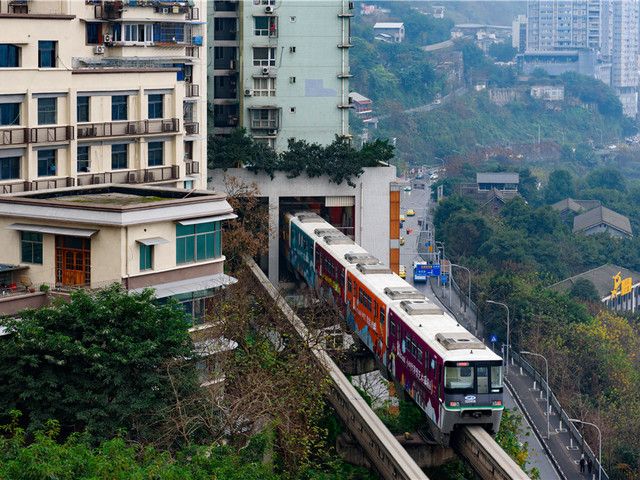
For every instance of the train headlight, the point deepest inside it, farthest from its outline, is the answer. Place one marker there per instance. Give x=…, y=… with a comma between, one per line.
x=454, y=404
x=497, y=403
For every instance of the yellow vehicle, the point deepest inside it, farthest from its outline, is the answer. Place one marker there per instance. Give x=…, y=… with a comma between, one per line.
x=411, y=212
x=402, y=219
x=402, y=272
x=401, y=240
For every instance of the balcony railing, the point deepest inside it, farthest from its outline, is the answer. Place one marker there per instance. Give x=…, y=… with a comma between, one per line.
x=192, y=168
x=192, y=90
x=121, y=129
x=193, y=52
x=19, y=136
x=192, y=128
x=193, y=13
x=146, y=175
x=42, y=184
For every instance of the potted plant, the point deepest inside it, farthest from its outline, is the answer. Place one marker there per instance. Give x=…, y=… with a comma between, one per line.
x=44, y=288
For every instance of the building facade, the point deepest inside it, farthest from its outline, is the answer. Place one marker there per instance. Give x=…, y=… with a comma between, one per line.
x=624, y=54
x=280, y=69
x=102, y=91
x=563, y=24
x=94, y=236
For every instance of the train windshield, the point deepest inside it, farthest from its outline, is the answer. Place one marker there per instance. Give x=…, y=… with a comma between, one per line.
x=471, y=377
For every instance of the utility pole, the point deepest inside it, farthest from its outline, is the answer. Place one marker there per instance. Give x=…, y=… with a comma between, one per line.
x=508, y=331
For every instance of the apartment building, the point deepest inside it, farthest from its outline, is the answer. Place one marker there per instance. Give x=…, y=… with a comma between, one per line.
x=280, y=69
x=102, y=91
x=624, y=54
x=563, y=24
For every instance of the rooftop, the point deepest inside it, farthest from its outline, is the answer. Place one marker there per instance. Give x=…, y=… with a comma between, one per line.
x=601, y=277
x=115, y=204
x=497, y=177
x=389, y=25
x=576, y=206
x=359, y=98
x=601, y=215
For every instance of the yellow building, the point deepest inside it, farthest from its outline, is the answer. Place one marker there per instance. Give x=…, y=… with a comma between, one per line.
x=95, y=92
x=139, y=236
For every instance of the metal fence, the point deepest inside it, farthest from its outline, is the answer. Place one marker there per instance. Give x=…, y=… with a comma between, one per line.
x=557, y=407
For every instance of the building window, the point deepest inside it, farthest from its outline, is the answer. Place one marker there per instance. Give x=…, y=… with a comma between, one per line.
x=264, y=118
x=195, y=243
x=264, y=57
x=47, y=111
x=31, y=247
x=47, y=54
x=264, y=87
x=9, y=55
x=156, y=109
x=188, y=184
x=119, y=107
x=266, y=26
x=9, y=168
x=47, y=165
x=83, y=109
x=188, y=151
x=156, y=154
x=146, y=257
x=82, y=158
x=9, y=114
x=138, y=33
x=119, y=157
x=94, y=33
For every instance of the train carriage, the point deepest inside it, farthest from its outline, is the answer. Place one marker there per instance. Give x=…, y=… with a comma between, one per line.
x=448, y=372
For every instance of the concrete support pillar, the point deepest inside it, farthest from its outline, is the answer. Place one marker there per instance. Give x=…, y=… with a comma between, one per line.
x=274, y=240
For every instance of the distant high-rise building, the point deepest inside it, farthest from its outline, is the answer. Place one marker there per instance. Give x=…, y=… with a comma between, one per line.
x=624, y=54
x=519, y=33
x=102, y=91
x=280, y=69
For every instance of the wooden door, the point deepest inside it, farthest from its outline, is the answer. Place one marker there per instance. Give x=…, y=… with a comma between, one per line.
x=73, y=258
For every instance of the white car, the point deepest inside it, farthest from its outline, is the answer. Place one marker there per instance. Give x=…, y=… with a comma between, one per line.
x=434, y=176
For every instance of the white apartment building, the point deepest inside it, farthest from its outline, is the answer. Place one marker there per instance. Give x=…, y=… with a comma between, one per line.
x=102, y=91
x=624, y=54
x=280, y=69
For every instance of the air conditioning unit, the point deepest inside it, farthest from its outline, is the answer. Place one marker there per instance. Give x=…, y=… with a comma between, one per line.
x=98, y=49
x=273, y=132
x=131, y=129
x=95, y=180
x=248, y=93
x=265, y=70
x=132, y=177
x=351, y=5
x=167, y=127
x=292, y=49
x=165, y=10
x=84, y=132
x=232, y=65
x=107, y=38
x=268, y=9
x=149, y=177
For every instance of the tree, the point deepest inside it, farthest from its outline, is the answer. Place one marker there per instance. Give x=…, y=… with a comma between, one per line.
x=559, y=187
x=608, y=178
x=584, y=289
x=528, y=187
x=502, y=52
x=96, y=363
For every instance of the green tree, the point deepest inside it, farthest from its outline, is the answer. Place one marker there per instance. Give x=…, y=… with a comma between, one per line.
x=96, y=363
x=528, y=187
x=559, y=186
x=502, y=52
x=584, y=289
x=608, y=178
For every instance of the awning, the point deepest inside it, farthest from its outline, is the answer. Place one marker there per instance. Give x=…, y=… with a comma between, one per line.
x=217, y=218
x=189, y=285
x=211, y=346
x=4, y=267
x=72, y=232
x=340, y=201
x=152, y=241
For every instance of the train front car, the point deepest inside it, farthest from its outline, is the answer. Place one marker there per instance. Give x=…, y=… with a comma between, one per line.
x=472, y=383
x=448, y=372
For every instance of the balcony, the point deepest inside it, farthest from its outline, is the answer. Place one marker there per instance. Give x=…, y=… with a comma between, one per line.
x=193, y=52
x=121, y=129
x=191, y=90
x=193, y=168
x=145, y=175
x=109, y=10
x=21, y=136
x=192, y=128
x=42, y=184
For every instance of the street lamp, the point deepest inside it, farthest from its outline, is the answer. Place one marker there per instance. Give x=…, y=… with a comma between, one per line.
x=508, y=330
x=469, y=277
x=546, y=364
x=575, y=420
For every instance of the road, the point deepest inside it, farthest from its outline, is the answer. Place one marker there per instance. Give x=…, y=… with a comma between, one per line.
x=430, y=106
x=420, y=202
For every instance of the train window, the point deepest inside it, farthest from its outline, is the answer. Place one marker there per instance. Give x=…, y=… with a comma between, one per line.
x=418, y=352
x=365, y=300
x=496, y=376
x=382, y=316
x=458, y=378
x=392, y=326
x=349, y=285
x=482, y=375
x=432, y=365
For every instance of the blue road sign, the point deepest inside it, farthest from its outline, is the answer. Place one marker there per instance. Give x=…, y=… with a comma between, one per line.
x=493, y=338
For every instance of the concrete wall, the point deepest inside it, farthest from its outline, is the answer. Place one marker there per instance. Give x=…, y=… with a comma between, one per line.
x=372, y=204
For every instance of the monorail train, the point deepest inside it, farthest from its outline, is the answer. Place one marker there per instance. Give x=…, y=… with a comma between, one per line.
x=447, y=371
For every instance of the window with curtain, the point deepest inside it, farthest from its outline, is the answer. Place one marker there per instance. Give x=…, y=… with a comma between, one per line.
x=9, y=114
x=47, y=54
x=119, y=157
x=9, y=168
x=47, y=165
x=82, y=158
x=156, y=154
x=47, y=111
x=83, y=109
x=146, y=257
x=156, y=109
x=9, y=55
x=31, y=247
x=119, y=109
